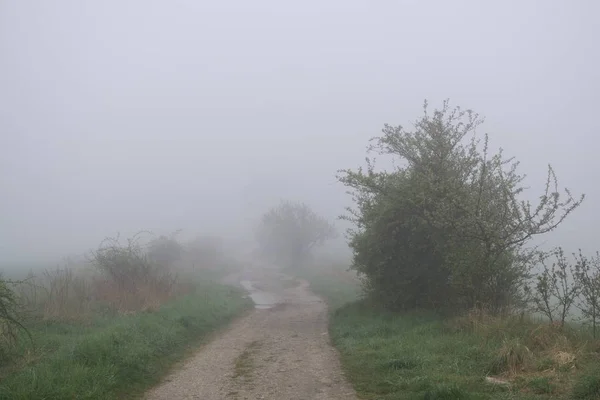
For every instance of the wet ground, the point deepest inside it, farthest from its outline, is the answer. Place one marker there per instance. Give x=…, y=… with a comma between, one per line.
x=262, y=300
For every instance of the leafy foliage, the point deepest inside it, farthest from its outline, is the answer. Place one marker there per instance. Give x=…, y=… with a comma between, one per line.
x=446, y=227
x=288, y=232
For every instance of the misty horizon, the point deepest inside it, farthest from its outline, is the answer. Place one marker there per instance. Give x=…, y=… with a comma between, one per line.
x=121, y=117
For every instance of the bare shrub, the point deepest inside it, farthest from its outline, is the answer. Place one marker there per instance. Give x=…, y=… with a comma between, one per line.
x=124, y=279
x=556, y=288
x=133, y=281
x=27, y=293
x=587, y=276
x=69, y=295
x=9, y=315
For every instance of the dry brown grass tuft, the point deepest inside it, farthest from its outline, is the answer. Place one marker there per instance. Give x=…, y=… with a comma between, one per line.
x=66, y=294
x=58, y=294
x=480, y=322
x=563, y=358
x=547, y=337
x=513, y=357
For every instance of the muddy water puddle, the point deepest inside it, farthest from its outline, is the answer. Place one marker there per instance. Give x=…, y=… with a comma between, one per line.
x=262, y=299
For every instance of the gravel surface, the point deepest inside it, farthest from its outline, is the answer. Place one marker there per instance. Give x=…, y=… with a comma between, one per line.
x=278, y=353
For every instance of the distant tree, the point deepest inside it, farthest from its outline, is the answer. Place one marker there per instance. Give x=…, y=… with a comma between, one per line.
x=165, y=250
x=205, y=251
x=289, y=231
x=447, y=226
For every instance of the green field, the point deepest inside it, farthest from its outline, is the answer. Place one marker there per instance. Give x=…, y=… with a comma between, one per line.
x=111, y=357
x=424, y=356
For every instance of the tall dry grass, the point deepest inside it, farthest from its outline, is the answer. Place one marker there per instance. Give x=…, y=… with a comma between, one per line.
x=118, y=277
x=67, y=293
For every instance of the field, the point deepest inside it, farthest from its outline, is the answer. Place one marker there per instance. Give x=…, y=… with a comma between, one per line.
x=108, y=354
x=477, y=356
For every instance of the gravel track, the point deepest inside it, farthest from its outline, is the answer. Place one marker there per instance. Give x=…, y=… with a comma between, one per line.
x=278, y=353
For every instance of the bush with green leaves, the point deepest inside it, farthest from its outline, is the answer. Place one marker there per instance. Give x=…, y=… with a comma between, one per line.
x=448, y=226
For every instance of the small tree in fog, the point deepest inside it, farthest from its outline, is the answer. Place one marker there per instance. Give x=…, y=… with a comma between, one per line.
x=165, y=250
x=289, y=231
x=556, y=290
x=205, y=251
x=587, y=276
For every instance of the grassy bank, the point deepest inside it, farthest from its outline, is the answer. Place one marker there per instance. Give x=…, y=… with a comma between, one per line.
x=333, y=284
x=114, y=356
x=422, y=356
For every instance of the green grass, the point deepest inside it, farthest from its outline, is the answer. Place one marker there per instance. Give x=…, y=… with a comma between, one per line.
x=115, y=356
x=422, y=356
x=336, y=292
x=587, y=387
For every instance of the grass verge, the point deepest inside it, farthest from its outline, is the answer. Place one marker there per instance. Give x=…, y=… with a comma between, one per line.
x=423, y=356
x=115, y=357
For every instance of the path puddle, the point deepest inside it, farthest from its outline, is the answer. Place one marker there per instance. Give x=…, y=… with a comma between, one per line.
x=262, y=300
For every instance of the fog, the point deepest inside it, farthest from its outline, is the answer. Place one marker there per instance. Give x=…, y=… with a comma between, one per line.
x=117, y=116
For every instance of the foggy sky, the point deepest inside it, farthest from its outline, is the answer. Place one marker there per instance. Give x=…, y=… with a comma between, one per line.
x=161, y=115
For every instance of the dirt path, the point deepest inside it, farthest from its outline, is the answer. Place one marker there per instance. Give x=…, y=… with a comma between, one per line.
x=277, y=353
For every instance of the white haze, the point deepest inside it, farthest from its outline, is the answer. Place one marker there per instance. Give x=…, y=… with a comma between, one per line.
x=197, y=115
